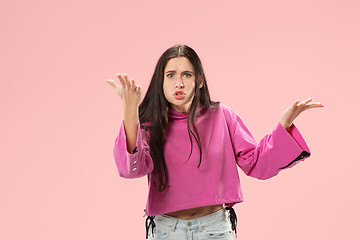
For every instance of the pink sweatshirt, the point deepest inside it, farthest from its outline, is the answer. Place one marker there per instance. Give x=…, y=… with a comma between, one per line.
x=226, y=144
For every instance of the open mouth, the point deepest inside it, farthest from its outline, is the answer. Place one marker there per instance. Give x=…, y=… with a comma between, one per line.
x=179, y=95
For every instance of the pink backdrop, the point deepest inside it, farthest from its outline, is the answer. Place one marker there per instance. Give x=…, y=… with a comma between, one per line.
x=59, y=118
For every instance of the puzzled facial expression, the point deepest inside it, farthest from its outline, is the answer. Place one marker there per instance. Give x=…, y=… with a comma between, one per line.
x=179, y=83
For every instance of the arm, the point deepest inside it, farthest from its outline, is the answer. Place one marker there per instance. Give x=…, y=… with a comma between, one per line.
x=131, y=123
x=137, y=162
x=131, y=151
x=276, y=151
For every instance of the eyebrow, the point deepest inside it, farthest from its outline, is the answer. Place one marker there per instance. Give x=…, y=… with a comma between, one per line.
x=171, y=71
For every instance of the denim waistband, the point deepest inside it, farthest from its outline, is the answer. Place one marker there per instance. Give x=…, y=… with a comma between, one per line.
x=200, y=222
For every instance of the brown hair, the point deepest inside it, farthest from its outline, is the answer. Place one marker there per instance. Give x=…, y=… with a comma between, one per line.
x=154, y=110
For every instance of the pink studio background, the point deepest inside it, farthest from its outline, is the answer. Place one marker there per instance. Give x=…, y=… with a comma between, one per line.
x=59, y=118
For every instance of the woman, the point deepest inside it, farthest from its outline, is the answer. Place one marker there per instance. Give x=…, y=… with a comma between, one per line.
x=190, y=188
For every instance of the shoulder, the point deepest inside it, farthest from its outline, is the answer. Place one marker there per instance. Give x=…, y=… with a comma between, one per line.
x=227, y=111
x=218, y=107
x=222, y=111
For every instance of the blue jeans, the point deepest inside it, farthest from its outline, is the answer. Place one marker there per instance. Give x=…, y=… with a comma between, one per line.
x=216, y=225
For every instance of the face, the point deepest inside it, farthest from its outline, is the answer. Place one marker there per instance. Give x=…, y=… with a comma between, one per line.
x=179, y=83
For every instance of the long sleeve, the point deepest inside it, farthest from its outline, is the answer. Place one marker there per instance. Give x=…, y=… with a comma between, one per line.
x=276, y=151
x=136, y=164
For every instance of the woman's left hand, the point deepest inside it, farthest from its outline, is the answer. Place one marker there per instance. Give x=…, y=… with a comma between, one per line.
x=294, y=110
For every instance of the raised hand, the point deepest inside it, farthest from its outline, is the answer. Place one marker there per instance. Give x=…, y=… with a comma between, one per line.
x=128, y=90
x=295, y=109
x=130, y=94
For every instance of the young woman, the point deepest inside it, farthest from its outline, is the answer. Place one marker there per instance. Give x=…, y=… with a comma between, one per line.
x=192, y=188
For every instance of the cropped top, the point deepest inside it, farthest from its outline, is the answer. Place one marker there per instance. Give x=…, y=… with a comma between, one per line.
x=226, y=144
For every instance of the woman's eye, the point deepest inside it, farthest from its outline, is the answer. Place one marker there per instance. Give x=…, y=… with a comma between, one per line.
x=170, y=75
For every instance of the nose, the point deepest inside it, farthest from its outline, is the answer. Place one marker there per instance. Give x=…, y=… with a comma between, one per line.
x=179, y=82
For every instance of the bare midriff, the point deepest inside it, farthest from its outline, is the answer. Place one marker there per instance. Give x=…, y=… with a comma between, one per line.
x=195, y=212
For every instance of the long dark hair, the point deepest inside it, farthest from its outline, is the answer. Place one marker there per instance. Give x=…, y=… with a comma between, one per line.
x=154, y=110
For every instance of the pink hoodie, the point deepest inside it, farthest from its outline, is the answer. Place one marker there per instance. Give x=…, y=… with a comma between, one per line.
x=226, y=143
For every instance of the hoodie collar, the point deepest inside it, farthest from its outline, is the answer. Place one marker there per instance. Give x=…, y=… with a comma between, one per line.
x=173, y=114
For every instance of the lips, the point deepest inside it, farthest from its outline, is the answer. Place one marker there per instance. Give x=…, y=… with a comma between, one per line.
x=179, y=95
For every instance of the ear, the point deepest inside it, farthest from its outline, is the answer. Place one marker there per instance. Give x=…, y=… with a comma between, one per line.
x=201, y=82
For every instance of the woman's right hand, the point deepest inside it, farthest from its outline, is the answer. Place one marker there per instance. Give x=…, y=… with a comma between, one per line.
x=129, y=91
x=130, y=94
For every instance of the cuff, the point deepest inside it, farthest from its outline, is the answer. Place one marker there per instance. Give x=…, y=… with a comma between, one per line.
x=293, y=145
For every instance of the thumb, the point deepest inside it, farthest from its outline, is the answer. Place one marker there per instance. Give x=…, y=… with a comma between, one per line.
x=112, y=83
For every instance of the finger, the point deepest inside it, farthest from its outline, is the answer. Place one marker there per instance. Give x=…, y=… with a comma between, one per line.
x=302, y=106
x=122, y=80
x=302, y=109
x=127, y=81
x=296, y=108
x=133, y=85
x=112, y=83
x=138, y=88
x=314, y=105
x=303, y=103
x=296, y=102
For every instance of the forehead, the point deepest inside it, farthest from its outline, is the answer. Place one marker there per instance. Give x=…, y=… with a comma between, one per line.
x=179, y=64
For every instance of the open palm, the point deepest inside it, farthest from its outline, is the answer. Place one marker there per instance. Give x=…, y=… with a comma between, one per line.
x=295, y=109
x=128, y=90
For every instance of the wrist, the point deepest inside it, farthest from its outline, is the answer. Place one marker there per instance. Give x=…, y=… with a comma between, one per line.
x=131, y=115
x=286, y=126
